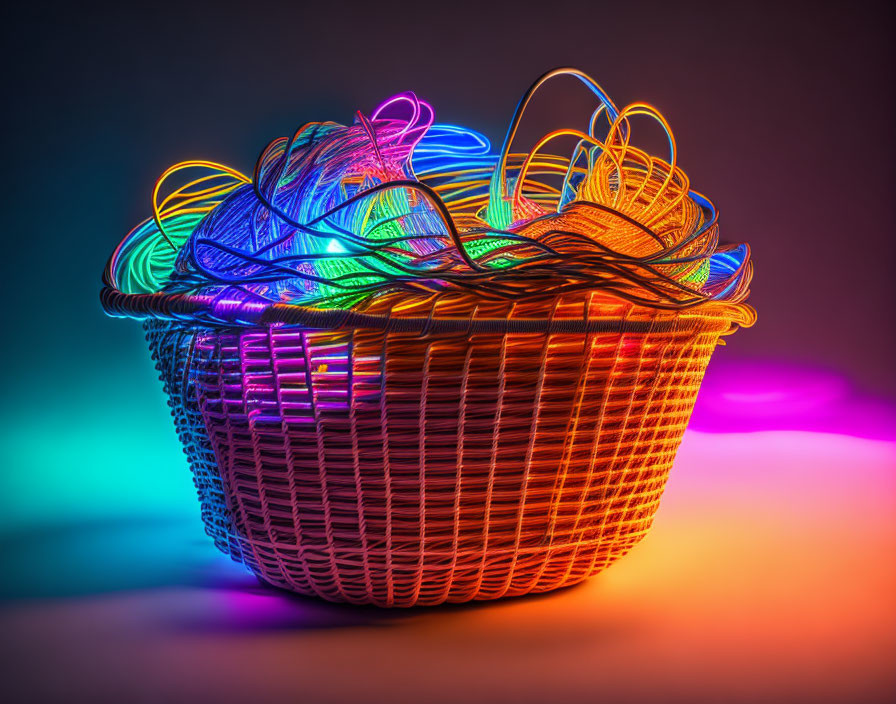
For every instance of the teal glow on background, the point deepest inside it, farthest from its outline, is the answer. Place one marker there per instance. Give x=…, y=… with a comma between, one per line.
x=95, y=448
x=99, y=497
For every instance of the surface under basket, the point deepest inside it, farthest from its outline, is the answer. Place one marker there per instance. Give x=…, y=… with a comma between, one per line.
x=415, y=468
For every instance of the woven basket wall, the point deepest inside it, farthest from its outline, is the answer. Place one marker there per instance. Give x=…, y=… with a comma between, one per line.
x=403, y=468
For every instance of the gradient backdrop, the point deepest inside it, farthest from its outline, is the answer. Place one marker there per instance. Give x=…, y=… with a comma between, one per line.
x=770, y=570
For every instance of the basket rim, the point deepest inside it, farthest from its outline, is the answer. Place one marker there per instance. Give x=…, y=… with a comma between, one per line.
x=210, y=312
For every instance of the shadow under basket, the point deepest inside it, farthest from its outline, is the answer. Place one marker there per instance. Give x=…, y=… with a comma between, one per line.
x=436, y=452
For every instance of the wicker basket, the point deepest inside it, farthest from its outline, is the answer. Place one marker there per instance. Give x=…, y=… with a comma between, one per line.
x=429, y=452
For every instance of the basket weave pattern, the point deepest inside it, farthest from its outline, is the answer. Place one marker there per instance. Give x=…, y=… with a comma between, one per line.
x=171, y=346
x=402, y=468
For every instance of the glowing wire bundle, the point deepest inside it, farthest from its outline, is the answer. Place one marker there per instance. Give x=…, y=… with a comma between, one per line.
x=337, y=214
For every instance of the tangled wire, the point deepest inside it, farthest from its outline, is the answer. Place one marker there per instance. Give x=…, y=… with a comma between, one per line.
x=337, y=214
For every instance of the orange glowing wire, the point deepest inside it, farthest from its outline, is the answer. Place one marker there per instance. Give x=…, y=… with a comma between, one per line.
x=186, y=196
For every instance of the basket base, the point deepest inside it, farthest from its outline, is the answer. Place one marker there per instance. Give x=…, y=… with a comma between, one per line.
x=437, y=583
x=535, y=593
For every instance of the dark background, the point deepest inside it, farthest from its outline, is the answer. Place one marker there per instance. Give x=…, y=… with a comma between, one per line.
x=784, y=114
x=769, y=576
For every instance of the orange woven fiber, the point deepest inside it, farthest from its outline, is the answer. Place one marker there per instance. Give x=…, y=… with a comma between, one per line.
x=415, y=468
